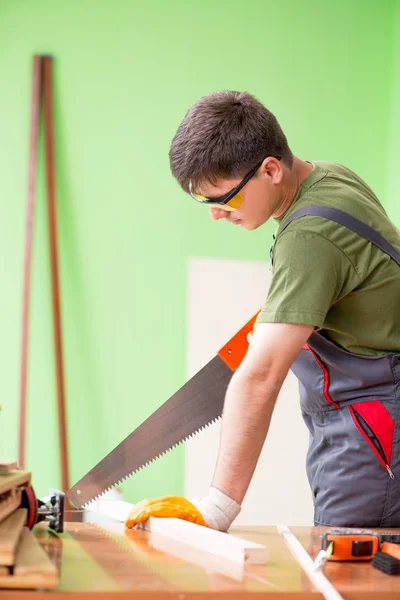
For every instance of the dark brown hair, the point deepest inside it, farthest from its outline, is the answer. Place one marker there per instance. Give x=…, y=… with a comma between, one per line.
x=223, y=136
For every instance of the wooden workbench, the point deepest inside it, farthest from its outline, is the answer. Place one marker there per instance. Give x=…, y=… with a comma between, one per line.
x=103, y=561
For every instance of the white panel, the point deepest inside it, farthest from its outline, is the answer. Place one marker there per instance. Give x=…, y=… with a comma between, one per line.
x=222, y=296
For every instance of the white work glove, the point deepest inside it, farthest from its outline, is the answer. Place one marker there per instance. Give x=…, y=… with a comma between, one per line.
x=219, y=511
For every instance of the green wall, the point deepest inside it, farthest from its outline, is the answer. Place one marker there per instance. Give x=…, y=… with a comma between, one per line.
x=393, y=154
x=125, y=74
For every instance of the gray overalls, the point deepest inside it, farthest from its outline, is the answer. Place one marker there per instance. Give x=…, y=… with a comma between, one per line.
x=351, y=406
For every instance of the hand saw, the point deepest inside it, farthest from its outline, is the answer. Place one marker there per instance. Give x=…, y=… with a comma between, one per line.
x=196, y=404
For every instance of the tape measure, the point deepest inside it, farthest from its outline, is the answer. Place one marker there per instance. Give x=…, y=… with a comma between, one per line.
x=348, y=544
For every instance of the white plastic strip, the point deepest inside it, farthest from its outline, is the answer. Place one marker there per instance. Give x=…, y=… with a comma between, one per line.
x=317, y=577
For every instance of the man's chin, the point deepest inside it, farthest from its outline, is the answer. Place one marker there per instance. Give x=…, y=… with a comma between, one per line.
x=249, y=226
x=245, y=224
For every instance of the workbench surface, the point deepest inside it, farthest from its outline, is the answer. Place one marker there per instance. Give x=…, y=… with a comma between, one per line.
x=120, y=563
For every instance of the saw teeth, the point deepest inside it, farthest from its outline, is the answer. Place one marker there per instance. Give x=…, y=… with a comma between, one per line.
x=164, y=453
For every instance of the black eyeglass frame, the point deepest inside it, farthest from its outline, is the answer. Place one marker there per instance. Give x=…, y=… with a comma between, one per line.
x=224, y=199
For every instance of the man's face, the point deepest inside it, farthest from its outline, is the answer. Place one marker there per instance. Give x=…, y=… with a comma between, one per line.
x=260, y=197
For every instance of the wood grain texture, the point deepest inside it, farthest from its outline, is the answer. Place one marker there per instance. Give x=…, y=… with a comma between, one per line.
x=13, y=480
x=9, y=504
x=33, y=568
x=30, y=212
x=119, y=563
x=54, y=271
x=31, y=558
x=8, y=465
x=10, y=533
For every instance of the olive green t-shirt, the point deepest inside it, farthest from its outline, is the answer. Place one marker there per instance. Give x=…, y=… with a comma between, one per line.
x=326, y=275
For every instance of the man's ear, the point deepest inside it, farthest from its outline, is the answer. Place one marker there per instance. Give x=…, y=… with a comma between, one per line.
x=273, y=169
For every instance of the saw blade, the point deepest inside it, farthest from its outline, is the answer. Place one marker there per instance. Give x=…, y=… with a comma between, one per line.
x=198, y=403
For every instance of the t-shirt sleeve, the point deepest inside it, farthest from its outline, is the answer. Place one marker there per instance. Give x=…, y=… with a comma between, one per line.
x=309, y=275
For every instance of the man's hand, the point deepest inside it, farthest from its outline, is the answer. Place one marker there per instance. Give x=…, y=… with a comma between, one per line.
x=215, y=510
x=167, y=507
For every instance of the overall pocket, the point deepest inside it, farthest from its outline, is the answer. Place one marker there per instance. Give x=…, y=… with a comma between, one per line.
x=376, y=425
x=313, y=376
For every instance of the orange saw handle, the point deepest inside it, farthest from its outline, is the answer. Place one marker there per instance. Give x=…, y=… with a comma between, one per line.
x=233, y=352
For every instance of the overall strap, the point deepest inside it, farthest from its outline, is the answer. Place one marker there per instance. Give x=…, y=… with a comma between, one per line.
x=343, y=218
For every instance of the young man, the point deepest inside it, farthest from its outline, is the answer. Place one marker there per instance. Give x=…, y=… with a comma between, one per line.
x=332, y=313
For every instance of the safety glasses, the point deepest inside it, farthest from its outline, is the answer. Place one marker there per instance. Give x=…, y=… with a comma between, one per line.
x=232, y=199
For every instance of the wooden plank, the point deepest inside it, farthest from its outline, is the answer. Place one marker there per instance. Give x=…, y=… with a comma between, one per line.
x=37, y=68
x=10, y=494
x=214, y=542
x=221, y=544
x=10, y=533
x=14, y=479
x=33, y=568
x=32, y=582
x=31, y=558
x=9, y=504
x=229, y=568
x=49, y=140
x=8, y=465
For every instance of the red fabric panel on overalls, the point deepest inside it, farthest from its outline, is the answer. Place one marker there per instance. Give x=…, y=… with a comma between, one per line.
x=380, y=422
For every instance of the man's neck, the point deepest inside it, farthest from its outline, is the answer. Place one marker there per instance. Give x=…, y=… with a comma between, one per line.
x=293, y=179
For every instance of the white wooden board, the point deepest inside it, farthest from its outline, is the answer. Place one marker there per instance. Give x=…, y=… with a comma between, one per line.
x=217, y=543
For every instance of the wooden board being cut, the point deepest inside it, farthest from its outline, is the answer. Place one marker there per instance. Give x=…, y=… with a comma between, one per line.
x=221, y=544
x=33, y=568
x=214, y=542
x=10, y=533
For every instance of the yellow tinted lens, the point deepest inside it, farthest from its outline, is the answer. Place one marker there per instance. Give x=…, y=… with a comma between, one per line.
x=232, y=204
x=235, y=202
